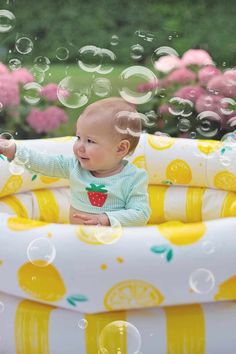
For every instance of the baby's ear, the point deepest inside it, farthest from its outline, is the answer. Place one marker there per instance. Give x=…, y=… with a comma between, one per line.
x=123, y=147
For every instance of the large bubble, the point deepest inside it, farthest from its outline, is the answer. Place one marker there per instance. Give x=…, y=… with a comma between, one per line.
x=73, y=94
x=24, y=45
x=128, y=338
x=7, y=21
x=90, y=58
x=107, y=62
x=133, y=76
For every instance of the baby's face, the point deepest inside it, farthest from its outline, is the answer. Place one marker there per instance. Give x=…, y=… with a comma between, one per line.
x=95, y=147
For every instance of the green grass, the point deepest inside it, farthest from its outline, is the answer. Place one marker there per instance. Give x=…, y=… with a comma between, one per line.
x=83, y=78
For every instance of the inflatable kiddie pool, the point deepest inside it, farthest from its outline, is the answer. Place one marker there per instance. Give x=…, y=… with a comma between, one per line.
x=167, y=287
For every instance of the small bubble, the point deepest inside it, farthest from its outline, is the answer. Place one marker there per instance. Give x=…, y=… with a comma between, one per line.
x=62, y=53
x=41, y=252
x=32, y=92
x=114, y=40
x=24, y=45
x=14, y=64
x=202, y=281
x=83, y=324
x=7, y=21
x=42, y=63
x=136, y=52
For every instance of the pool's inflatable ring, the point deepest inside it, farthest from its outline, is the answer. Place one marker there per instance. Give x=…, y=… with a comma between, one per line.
x=185, y=255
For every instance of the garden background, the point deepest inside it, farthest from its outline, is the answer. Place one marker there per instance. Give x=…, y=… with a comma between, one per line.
x=55, y=32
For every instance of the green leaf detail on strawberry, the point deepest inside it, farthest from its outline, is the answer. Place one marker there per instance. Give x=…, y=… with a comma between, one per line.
x=97, y=194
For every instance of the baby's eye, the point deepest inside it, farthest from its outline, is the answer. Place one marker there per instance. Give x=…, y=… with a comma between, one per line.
x=91, y=141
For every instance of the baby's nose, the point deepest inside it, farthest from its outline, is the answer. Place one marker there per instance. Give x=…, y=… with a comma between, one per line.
x=81, y=146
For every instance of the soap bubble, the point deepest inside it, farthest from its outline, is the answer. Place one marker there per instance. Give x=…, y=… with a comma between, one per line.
x=83, y=324
x=226, y=103
x=72, y=94
x=180, y=107
x=7, y=21
x=62, y=53
x=162, y=51
x=32, y=92
x=114, y=40
x=38, y=75
x=184, y=125
x=128, y=338
x=90, y=58
x=107, y=61
x=208, y=124
x=136, y=52
x=202, y=281
x=24, y=45
x=42, y=63
x=102, y=87
x=41, y=252
x=14, y=64
x=128, y=83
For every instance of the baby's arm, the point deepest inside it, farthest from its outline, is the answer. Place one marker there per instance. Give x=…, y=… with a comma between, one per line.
x=35, y=161
x=137, y=210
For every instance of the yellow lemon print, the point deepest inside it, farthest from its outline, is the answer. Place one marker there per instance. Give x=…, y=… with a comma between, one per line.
x=225, y=180
x=15, y=204
x=208, y=146
x=98, y=235
x=16, y=223
x=12, y=185
x=48, y=180
x=229, y=205
x=43, y=283
x=140, y=162
x=132, y=294
x=227, y=290
x=181, y=234
x=47, y=204
x=178, y=171
x=160, y=142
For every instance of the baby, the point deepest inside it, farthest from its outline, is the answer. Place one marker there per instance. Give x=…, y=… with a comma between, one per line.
x=106, y=189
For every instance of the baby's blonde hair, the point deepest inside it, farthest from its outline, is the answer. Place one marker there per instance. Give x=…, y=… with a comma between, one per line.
x=122, y=116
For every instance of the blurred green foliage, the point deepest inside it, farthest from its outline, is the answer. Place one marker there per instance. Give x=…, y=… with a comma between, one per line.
x=180, y=24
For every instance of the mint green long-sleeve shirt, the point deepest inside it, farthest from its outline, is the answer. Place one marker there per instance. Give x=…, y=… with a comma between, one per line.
x=123, y=196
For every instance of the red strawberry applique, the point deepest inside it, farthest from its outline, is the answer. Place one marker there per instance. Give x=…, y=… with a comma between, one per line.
x=97, y=194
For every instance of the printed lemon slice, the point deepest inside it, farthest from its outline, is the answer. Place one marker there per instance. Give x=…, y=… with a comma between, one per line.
x=229, y=205
x=225, y=180
x=47, y=204
x=208, y=146
x=12, y=185
x=181, y=234
x=16, y=223
x=98, y=235
x=178, y=171
x=48, y=180
x=139, y=162
x=132, y=294
x=160, y=142
x=43, y=283
x=227, y=290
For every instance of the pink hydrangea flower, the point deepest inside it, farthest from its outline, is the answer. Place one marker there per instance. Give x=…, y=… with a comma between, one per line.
x=223, y=85
x=9, y=91
x=189, y=92
x=49, y=92
x=167, y=63
x=180, y=76
x=148, y=86
x=22, y=76
x=206, y=73
x=3, y=69
x=196, y=57
x=164, y=109
x=212, y=103
x=46, y=121
x=230, y=73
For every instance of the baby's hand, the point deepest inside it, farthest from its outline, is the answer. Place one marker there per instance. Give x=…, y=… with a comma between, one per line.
x=7, y=148
x=96, y=219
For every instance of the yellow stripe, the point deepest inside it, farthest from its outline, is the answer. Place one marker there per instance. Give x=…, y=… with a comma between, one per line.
x=229, y=205
x=185, y=329
x=113, y=340
x=48, y=206
x=16, y=206
x=157, y=203
x=194, y=200
x=31, y=328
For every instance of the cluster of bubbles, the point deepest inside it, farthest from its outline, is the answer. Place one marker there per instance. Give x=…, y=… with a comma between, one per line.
x=95, y=59
x=121, y=330
x=41, y=249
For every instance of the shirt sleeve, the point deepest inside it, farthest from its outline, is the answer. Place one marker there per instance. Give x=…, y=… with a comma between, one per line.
x=46, y=164
x=137, y=210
